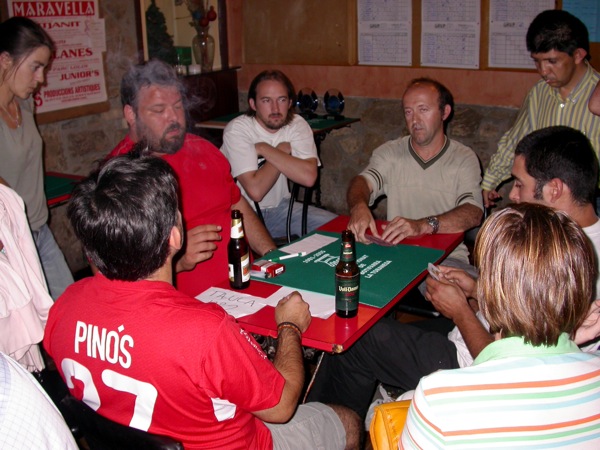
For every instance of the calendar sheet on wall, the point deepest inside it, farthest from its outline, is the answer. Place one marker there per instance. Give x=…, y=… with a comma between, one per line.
x=508, y=23
x=385, y=32
x=450, y=32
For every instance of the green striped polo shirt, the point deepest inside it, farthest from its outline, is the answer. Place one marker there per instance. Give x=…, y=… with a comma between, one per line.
x=514, y=395
x=544, y=107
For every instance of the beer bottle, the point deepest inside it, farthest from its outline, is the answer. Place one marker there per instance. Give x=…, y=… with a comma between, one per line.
x=347, y=279
x=238, y=254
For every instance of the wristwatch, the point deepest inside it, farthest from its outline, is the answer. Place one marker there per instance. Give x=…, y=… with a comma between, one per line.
x=434, y=223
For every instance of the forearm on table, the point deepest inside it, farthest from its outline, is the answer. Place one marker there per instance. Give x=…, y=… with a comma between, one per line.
x=258, y=237
x=460, y=219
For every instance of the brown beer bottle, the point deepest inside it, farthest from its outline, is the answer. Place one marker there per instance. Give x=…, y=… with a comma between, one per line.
x=238, y=254
x=347, y=279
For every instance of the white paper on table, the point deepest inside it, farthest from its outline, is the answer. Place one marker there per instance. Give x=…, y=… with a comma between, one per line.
x=321, y=305
x=309, y=244
x=234, y=303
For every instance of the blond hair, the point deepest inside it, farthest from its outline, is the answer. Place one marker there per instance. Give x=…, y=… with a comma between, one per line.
x=537, y=271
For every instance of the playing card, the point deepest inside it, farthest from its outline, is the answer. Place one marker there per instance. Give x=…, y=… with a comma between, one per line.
x=378, y=241
x=434, y=271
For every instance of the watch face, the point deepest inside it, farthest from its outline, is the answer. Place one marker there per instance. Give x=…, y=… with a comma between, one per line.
x=434, y=223
x=307, y=101
x=333, y=100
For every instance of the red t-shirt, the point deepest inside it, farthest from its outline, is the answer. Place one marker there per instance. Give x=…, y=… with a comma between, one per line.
x=145, y=355
x=207, y=192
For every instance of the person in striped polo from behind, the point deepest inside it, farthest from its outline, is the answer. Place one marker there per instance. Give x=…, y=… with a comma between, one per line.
x=532, y=387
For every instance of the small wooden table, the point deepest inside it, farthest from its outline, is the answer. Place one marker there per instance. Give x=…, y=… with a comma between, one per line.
x=319, y=125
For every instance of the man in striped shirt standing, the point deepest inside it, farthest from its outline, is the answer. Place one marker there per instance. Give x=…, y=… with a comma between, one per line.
x=532, y=387
x=559, y=46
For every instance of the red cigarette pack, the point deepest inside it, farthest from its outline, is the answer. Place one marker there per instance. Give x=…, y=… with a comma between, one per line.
x=267, y=269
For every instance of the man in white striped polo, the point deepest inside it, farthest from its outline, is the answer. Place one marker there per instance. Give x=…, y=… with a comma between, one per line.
x=532, y=387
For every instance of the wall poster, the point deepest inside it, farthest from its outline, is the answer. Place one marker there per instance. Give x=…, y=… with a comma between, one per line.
x=76, y=75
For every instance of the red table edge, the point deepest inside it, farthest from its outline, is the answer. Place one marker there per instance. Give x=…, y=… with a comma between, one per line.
x=263, y=321
x=64, y=197
x=65, y=175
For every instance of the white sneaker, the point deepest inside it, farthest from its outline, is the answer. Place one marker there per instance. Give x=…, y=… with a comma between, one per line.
x=381, y=396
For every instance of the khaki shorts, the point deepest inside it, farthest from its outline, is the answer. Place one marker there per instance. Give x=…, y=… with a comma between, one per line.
x=314, y=426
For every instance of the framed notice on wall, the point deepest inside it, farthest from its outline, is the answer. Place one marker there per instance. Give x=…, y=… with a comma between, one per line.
x=76, y=75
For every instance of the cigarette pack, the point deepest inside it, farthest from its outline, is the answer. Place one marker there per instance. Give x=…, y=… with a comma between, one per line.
x=267, y=269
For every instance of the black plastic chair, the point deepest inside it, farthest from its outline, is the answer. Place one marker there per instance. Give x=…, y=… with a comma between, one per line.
x=294, y=192
x=98, y=432
x=101, y=433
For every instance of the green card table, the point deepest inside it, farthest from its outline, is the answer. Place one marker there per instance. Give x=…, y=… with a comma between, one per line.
x=335, y=334
x=58, y=187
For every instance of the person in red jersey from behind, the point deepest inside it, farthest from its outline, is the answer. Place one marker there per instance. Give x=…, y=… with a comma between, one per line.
x=145, y=355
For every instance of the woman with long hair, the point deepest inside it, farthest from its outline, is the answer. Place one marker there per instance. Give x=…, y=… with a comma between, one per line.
x=25, y=52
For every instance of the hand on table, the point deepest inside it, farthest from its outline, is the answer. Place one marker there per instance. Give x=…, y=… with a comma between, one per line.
x=362, y=220
x=399, y=228
x=293, y=308
x=199, y=246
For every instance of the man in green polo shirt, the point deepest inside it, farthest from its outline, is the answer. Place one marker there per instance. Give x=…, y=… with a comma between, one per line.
x=559, y=46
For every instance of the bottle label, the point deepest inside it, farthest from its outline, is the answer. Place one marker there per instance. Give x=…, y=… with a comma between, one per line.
x=347, y=292
x=244, y=268
x=237, y=230
x=347, y=252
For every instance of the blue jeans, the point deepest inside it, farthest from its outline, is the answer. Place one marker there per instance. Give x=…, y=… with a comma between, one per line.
x=276, y=218
x=58, y=275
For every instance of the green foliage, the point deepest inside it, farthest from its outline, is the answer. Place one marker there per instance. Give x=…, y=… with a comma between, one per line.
x=160, y=43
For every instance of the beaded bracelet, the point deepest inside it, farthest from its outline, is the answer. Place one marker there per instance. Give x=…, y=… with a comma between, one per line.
x=291, y=326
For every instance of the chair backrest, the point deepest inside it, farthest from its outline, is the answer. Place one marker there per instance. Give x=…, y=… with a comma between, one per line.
x=101, y=433
x=289, y=237
x=387, y=424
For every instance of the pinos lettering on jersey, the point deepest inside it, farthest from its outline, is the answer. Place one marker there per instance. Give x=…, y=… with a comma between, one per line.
x=108, y=345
